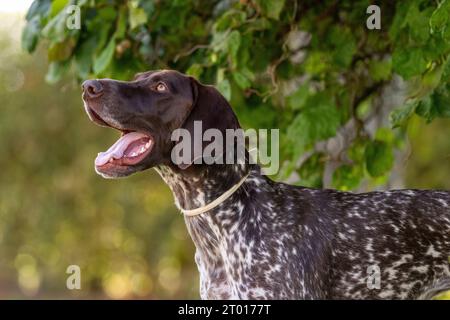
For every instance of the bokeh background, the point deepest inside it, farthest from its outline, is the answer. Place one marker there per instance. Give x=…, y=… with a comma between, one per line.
x=126, y=235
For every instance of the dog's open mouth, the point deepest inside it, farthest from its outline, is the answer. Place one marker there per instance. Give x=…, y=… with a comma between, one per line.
x=131, y=148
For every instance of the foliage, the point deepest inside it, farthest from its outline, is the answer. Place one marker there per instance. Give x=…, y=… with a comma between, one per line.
x=306, y=67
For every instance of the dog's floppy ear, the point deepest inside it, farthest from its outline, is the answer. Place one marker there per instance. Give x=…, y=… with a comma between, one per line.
x=210, y=110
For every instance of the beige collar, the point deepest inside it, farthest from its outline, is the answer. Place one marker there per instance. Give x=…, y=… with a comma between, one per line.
x=215, y=203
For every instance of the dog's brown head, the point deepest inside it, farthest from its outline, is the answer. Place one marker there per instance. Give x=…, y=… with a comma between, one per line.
x=146, y=111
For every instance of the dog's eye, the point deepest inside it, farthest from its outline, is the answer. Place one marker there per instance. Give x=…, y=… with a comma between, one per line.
x=161, y=87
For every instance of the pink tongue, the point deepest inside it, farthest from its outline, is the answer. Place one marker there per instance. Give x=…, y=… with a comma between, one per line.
x=117, y=149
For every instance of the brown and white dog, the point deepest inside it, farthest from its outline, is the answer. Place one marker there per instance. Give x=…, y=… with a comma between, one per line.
x=271, y=240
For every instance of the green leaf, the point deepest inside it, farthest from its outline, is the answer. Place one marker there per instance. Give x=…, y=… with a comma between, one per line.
x=417, y=20
x=137, y=15
x=220, y=75
x=311, y=171
x=62, y=50
x=347, y=177
x=343, y=46
x=30, y=34
x=107, y=14
x=435, y=105
x=248, y=73
x=441, y=100
x=316, y=63
x=195, y=70
x=399, y=22
x=426, y=109
x=104, y=59
x=408, y=62
x=445, y=77
x=55, y=71
x=84, y=55
x=40, y=8
x=298, y=99
x=233, y=43
x=102, y=38
x=55, y=29
x=57, y=7
x=400, y=116
x=241, y=80
x=379, y=158
x=259, y=24
x=380, y=70
x=225, y=88
x=230, y=20
x=219, y=40
x=385, y=134
x=436, y=49
x=432, y=78
x=318, y=120
x=121, y=23
x=260, y=116
x=440, y=17
x=271, y=8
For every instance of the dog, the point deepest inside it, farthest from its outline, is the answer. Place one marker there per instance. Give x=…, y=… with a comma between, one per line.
x=260, y=239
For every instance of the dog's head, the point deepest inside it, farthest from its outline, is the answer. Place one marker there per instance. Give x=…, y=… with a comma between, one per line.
x=146, y=111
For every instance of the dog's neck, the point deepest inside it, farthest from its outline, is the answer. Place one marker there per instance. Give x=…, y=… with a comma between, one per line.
x=199, y=185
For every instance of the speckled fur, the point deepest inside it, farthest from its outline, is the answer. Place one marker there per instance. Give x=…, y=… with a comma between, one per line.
x=276, y=241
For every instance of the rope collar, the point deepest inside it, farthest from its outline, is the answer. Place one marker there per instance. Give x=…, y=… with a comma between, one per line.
x=216, y=202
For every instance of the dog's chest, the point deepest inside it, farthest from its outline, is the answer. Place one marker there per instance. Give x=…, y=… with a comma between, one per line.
x=221, y=279
x=228, y=262
x=236, y=266
x=214, y=282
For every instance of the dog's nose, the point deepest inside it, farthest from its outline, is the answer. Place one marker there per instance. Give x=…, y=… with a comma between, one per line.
x=92, y=88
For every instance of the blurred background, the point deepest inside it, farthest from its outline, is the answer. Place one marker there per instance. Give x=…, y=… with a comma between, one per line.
x=126, y=235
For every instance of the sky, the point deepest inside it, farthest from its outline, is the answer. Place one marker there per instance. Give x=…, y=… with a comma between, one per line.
x=14, y=5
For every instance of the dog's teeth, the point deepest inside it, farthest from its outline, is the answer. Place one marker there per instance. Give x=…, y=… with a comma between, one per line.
x=142, y=149
x=147, y=145
x=134, y=154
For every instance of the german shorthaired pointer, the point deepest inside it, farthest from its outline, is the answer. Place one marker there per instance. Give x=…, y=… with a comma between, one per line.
x=271, y=240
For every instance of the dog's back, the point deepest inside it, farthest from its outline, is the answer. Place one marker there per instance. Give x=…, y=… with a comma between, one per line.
x=393, y=244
